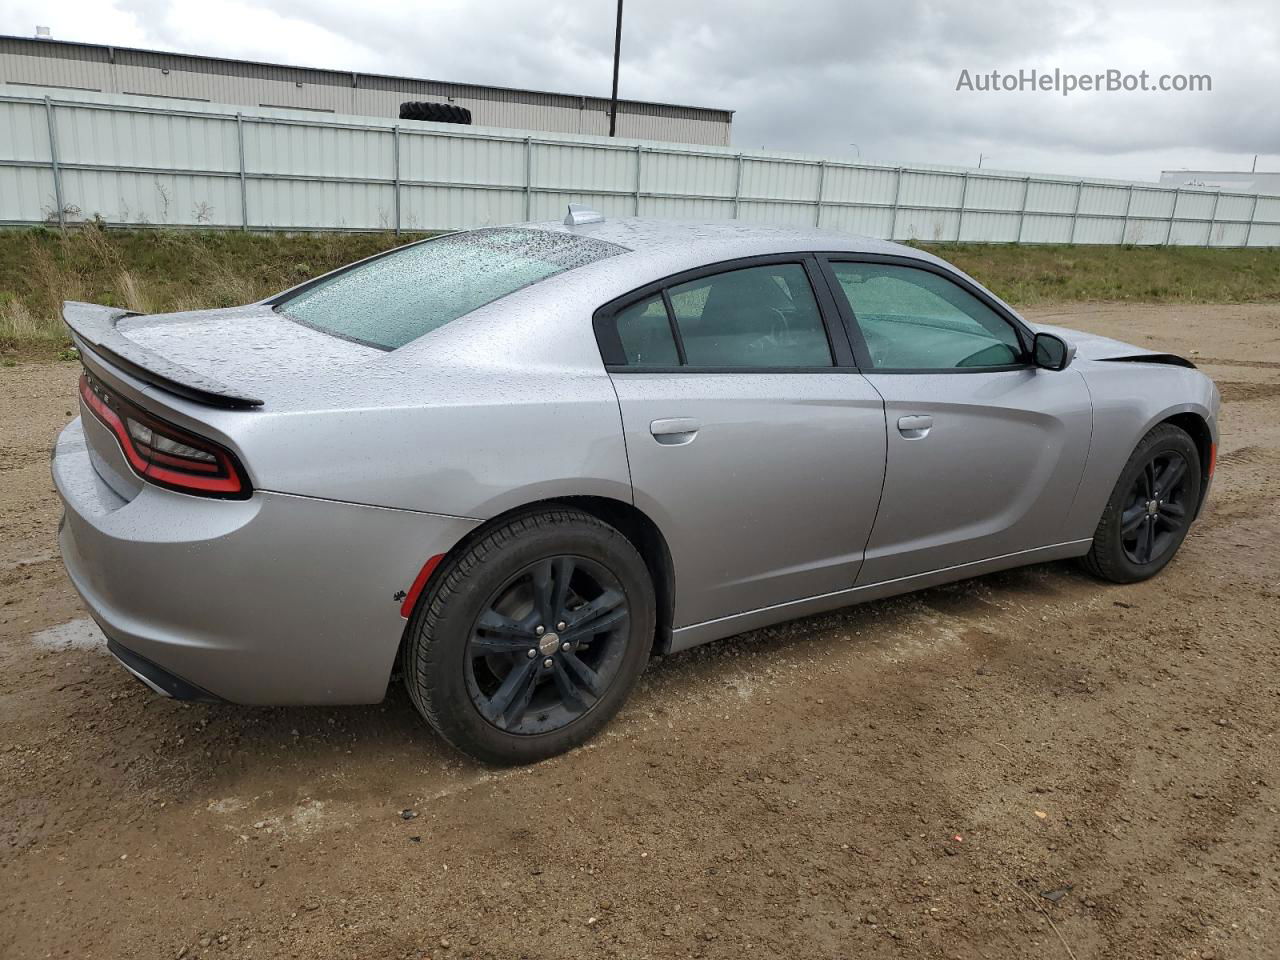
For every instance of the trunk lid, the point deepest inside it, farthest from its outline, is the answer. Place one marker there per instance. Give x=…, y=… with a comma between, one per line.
x=237, y=357
x=210, y=368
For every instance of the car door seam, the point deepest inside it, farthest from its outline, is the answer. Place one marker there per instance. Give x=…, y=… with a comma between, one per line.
x=884, y=477
x=622, y=427
x=1088, y=455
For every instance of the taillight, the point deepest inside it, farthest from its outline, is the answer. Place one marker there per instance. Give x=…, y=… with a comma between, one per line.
x=162, y=453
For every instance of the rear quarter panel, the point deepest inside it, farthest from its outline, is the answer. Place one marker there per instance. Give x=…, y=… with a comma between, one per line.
x=473, y=451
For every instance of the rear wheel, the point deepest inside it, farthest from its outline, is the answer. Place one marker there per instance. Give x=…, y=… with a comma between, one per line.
x=1150, y=509
x=531, y=639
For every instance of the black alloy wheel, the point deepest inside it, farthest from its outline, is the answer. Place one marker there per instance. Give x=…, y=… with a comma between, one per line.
x=547, y=645
x=1157, y=513
x=1151, y=508
x=531, y=635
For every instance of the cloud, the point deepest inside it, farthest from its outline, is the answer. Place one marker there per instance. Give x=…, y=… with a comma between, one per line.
x=817, y=77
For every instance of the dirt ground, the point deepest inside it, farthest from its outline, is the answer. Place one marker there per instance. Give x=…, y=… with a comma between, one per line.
x=908, y=778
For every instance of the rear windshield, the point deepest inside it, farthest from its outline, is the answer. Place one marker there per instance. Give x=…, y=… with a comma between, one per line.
x=404, y=294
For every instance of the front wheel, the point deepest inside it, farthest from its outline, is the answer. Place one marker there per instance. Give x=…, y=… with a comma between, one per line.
x=1150, y=509
x=532, y=638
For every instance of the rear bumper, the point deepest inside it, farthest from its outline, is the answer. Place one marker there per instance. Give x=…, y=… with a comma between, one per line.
x=276, y=599
x=157, y=677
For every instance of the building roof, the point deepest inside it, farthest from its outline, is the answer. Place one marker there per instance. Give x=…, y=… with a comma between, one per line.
x=109, y=52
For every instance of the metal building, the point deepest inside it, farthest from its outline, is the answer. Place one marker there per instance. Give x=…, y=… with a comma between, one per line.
x=30, y=62
x=1240, y=181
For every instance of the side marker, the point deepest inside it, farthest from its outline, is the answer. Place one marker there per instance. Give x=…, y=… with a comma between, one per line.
x=419, y=582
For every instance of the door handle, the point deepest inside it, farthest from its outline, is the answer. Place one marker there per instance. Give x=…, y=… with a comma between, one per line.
x=916, y=427
x=674, y=431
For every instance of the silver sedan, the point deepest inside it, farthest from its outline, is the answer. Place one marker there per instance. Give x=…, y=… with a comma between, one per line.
x=513, y=463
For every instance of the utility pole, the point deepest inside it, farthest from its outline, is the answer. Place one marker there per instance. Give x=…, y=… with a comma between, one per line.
x=617, y=51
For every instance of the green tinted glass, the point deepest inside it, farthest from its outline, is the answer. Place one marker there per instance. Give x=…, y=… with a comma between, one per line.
x=917, y=320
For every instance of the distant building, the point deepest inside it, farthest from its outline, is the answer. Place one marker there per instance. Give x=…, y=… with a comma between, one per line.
x=1232, y=181
x=41, y=62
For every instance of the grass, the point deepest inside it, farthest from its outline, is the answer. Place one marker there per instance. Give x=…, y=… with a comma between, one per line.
x=154, y=271
x=1029, y=275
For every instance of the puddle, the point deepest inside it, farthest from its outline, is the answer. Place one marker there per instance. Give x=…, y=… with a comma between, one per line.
x=82, y=634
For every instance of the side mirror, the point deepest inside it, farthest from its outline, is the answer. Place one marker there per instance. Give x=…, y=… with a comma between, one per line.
x=1051, y=352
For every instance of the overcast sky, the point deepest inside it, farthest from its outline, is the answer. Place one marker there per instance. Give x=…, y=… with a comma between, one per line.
x=815, y=77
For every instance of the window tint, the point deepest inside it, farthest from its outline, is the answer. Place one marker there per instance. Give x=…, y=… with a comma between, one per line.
x=916, y=320
x=645, y=334
x=756, y=317
x=399, y=297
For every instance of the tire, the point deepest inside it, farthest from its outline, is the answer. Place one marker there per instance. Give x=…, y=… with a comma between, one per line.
x=434, y=112
x=1134, y=539
x=485, y=684
x=416, y=110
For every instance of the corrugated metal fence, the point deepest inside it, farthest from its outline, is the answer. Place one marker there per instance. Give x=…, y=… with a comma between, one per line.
x=126, y=160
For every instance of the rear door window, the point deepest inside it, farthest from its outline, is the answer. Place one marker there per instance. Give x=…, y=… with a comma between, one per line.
x=750, y=318
x=393, y=299
x=756, y=317
x=644, y=330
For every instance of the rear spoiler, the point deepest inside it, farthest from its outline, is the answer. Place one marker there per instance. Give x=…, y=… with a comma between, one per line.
x=93, y=330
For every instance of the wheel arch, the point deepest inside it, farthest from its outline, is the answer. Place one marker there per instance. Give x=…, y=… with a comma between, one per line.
x=634, y=524
x=1197, y=427
x=626, y=518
